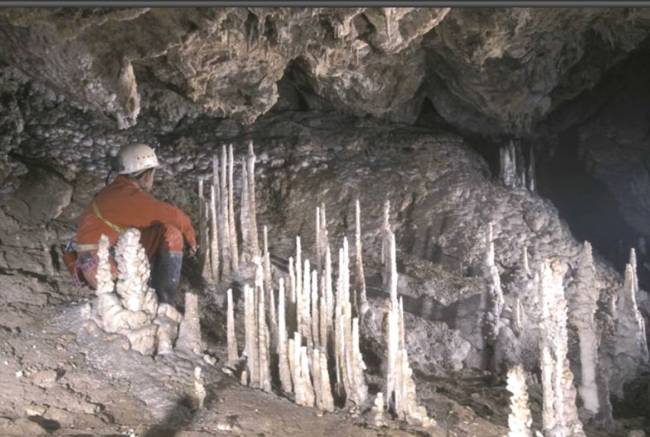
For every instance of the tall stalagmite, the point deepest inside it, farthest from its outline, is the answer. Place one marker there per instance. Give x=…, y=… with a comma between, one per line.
x=233, y=353
x=361, y=301
x=560, y=414
x=252, y=208
x=583, y=304
x=232, y=229
x=627, y=342
x=519, y=420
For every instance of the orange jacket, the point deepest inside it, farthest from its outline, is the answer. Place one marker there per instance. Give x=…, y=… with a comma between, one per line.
x=125, y=204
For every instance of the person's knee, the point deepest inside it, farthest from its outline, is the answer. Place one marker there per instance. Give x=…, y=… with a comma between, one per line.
x=172, y=238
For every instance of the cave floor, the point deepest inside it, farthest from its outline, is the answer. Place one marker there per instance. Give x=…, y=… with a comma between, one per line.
x=61, y=376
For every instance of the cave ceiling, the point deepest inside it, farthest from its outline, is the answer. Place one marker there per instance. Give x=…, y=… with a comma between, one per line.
x=487, y=71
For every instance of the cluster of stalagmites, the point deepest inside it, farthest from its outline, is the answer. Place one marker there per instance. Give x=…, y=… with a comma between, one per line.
x=615, y=355
x=307, y=322
x=130, y=307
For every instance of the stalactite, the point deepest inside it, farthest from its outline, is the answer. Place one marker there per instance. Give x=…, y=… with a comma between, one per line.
x=252, y=209
x=531, y=178
x=283, y=359
x=361, y=300
x=223, y=215
x=233, y=353
x=560, y=415
x=214, y=240
x=189, y=333
x=582, y=309
x=519, y=419
x=508, y=165
x=232, y=229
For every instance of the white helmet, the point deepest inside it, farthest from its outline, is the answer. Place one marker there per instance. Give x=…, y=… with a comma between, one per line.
x=135, y=158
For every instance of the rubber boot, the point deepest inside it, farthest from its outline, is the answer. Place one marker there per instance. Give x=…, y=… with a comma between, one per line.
x=166, y=276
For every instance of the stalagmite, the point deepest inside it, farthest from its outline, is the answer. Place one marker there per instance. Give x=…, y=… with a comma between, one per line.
x=378, y=415
x=214, y=239
x=133, y=274
x=251, y=336
x=329, y=295
x=359, y=389
x=244, y=216
x=305, y=300
x=630, y=344
x=233, y=353
x=494, y=301
x=519, y=419
x=223, y=212
x=400, y=386
x=105, y=283
x=168, y=320
x=232, y=229
x=113, y=315
x=323, y=323
x=559, y=414
x=315, y=313
x=318, y=240
x=263, y=333
x=309, y=396
x=199, y=388
x=189, y=333
x=327, y=401
x=316, y=377
x=525, y=261
x=252, y=209
x=283, y=359
x=268, y=287
x=203, y=254
x=386, y=230
x=361, y=301
x=298, y=283
x=582, y=308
